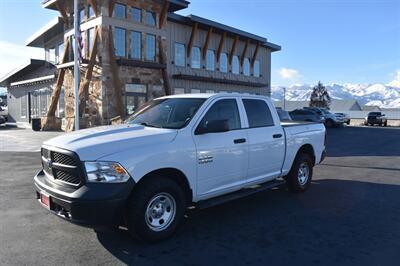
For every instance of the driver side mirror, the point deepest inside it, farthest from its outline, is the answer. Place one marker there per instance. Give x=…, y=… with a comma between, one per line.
x=213, y=126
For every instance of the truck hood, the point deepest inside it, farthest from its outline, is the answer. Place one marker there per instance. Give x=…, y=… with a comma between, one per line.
x=94, y=143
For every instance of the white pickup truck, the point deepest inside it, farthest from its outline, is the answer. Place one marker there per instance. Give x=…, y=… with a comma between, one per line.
x=173, y=153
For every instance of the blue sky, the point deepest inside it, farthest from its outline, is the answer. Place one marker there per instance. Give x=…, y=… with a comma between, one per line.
x=335, y=41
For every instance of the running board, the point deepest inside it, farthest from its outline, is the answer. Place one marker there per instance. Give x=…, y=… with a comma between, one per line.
x=203, y=204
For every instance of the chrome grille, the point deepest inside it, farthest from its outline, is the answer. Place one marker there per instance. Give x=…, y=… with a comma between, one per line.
x=62, y=167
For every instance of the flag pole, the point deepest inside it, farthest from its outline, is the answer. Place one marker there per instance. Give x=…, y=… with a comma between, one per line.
x=76, y=64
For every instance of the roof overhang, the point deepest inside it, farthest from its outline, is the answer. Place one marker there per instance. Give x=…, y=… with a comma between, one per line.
x=221, y=28
x=21, y=71
x=48, y=32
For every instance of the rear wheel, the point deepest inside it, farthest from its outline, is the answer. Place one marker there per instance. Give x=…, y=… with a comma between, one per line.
x=155, y=209
x=385, y=124
x=300, y=175
x=329, y=123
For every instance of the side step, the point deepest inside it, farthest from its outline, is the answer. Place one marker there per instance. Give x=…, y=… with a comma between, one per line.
x=239, y=194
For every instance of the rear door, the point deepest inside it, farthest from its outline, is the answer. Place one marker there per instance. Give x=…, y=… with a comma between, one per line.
x=266, y=141
x=222, y=158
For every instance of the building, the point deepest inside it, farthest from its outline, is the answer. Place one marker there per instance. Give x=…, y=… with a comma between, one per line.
x=133, y=51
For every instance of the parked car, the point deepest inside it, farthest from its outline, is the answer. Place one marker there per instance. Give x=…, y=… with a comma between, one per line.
x=345, y=117
x=2, y=120
x=306, y=115
x=175, y=152
x=284, y=115
x=331, y=119
x=375, y=118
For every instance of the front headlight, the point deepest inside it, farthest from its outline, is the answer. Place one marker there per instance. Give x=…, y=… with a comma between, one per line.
x=106, y=172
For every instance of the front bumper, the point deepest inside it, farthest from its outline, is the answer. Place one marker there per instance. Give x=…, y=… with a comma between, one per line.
x=89, y=205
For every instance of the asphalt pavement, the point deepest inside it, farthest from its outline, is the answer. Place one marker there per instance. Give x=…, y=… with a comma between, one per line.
x=350, y=216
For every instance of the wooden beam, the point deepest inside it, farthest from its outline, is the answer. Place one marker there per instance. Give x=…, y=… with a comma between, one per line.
x=111, y=8
x=164, y=13
x=244, y=52
x=221, y=45
x=205, y=46
x=192, y=38
x=93, y=4
x=233, y=49
x=51, y=112
x=119, y=103
x=164, y=72
x=255, y=54
x=63, y=12
x=84, y=88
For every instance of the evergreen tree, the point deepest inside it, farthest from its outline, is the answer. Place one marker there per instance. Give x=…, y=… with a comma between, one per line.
x=320, y=96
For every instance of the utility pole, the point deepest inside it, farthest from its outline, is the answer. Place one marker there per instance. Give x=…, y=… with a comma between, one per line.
x=76, y=64
x=284, y=98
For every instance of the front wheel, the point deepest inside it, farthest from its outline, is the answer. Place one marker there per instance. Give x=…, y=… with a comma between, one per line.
x=300, y=175
x=155, y=209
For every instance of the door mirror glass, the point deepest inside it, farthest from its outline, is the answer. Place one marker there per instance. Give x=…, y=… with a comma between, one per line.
x=213, y=126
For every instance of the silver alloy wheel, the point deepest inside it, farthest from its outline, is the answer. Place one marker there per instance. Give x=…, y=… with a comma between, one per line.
x=160, y=212
x=303, y=174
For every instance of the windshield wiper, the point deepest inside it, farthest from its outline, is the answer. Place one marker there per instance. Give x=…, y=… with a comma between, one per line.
x=148, y=125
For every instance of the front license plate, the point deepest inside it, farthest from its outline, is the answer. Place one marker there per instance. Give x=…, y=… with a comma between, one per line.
x=45, y=200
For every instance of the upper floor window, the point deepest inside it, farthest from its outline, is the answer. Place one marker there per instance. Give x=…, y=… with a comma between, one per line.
x=52, y=55
x=180, y=54
x=210, y=60
x=82, y=15
x=136, y=14
x=136, y=45
x=150, y=18
x=119, y=11
x=196, y=57
x=150, y=47
x=90, y=40
x=235, y=65
x=246, y=67
x=60, y=52
x=179, y=91
x=91, y=11
x=256, y=68
x=120, y=42
x=223, y=63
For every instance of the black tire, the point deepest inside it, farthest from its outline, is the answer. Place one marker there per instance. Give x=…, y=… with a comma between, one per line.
x=137, y=206
x=348, y=123
x=329, y=123
x=292, y=179
x=385, y=124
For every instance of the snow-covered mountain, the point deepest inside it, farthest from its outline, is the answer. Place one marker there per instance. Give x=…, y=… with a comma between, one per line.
x=385, y=96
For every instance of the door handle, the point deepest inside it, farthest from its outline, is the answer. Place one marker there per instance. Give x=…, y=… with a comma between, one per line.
x=277, y=136
x=238, y=141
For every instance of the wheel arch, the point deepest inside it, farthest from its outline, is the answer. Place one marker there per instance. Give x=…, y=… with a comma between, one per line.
x=173, y=174
x=307, y=149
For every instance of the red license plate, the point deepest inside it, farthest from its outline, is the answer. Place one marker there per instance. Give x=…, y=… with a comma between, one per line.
x=45, y=200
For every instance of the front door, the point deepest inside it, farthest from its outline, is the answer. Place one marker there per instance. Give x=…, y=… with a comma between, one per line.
x=135, y=97
x=222, y=157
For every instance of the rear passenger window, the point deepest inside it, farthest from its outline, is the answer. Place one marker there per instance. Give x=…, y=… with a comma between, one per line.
x=223, y=110
x=258, y=113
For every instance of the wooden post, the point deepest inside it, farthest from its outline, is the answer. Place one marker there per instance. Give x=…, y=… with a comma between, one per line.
x=111, y=8
x=164, y=14
x=63, y=12
x=244, y=52
x=93, y=4
x=221, y=46
x=164, y=71
x=192, y=37
x=205, y=46
x=115, y=76
x=84, y=88
x=255, y=54
x=233, y=49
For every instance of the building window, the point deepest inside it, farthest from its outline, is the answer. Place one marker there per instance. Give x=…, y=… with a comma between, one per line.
x=135, y=97
x=23, y=106
x=136, y=14
x=179, y=91
x=60, y=52
x=246, y=67
x=256, y=68
x=136, y=45
x=196, y=57
x=235, y=65
x=119, y=11
x=91, y=11
x=210, y=60
x=223, y=63
x=120, y=42
x=195, y=91
x=82, y=15
x=180, y=54
x=150, y=47
x=52, y=55
x=90, y=40
x=150, y=18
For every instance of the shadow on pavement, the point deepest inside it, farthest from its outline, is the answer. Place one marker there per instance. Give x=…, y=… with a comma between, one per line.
x=363, y=141
x=335, y=222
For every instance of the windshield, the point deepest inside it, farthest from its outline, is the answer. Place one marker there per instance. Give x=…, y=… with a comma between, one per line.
x=172, y=113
